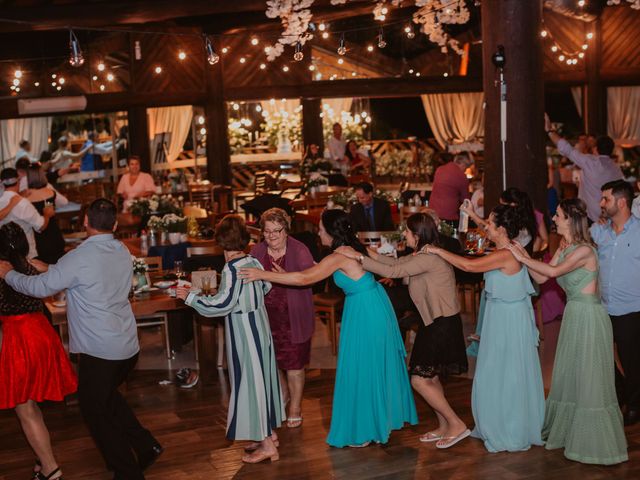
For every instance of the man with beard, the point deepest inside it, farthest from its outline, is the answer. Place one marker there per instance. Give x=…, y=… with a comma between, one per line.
x=618, y=241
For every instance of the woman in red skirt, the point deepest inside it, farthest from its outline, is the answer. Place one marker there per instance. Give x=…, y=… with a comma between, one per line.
x=33, y=364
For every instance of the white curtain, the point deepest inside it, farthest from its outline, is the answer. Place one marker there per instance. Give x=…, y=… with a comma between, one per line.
x=173, y=120
x=36, y=130
x=337, y=105
x=576, y=93
x=455, y=117
x=623, y=115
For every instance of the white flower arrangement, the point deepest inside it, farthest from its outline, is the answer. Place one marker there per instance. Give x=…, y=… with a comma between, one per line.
x=174, y=223
x=139, y=266
x=316, y=179
x=282, y=123
x=161, y=204
x=156, y=224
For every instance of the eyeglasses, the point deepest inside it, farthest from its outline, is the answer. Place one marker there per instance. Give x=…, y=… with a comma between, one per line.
x=271, y=233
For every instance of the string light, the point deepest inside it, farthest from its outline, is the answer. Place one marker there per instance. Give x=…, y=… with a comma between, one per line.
x=322, y=27
x=182, y=55
x=53, y=75
x=61, y=81
x=102, y=87
x=312, y=67
x=16, y=82
x=18, y=73
x=409, y=31
x=381, y=42
x=325, y=35
x=36, y=84
x=94, y=78
x=212, y=56
x=101, y=67
x=262, y=66
x=243, y=60
x=566, y=56
x=76, y=59
x=158, y=69
x=225, y=49
x=110, y=77
x=285, y=69
x=369, y=48
x=298, y=55
x=342, y=50
x=543, y=33
x=340, y=61
x=254, y=41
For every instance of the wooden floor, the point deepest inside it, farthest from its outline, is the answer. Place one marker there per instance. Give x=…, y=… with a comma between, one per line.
x=190, y=425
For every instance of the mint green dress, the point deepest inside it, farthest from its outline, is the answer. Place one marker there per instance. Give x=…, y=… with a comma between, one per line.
x=582, y=414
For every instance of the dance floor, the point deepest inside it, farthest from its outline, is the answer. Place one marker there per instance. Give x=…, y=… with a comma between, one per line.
x=190, y=425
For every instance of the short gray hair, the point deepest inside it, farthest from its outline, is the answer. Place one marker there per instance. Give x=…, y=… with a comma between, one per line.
x=463, y=157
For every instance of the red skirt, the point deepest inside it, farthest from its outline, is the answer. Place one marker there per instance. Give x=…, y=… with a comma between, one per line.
x=33, y=363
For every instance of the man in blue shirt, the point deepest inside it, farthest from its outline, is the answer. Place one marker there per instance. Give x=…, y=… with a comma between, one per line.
x=618, y=242
x=102, y=330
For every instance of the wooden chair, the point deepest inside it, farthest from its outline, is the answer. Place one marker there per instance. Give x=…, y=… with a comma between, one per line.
x=201, y=195
x=201, y=251
x=154, y=264
x=328, y=306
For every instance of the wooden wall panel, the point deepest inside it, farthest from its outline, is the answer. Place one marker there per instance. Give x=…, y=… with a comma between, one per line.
x=620, y=39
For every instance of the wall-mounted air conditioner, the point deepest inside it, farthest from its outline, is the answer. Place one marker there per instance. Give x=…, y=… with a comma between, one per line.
x=34, y=106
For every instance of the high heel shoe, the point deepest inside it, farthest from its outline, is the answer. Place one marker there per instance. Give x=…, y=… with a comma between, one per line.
x=38, y=466
x=41, y=476
x=260, y=456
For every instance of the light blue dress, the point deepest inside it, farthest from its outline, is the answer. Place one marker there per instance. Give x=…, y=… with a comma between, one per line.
x=372, y=394
x=507, y=399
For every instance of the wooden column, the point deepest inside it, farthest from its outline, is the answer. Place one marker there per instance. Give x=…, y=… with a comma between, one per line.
x=215, y=112
x=594, y=93
x=139, y=136
x=515, y=25
x=312, y=122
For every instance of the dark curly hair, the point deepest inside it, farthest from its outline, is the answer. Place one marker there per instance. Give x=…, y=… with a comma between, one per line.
x=521, y=201
x=232, y=234
x=508, y=217
x=338, y=226
x=14, y=246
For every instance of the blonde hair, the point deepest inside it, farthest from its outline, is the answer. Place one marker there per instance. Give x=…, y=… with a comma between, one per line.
x=276, y=215
x=576, y=211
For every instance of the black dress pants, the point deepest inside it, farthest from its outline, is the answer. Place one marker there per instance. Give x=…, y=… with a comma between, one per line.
x=626, y=335
x=113, y=425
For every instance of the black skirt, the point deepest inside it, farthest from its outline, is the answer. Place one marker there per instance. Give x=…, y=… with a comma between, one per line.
x=439, y=349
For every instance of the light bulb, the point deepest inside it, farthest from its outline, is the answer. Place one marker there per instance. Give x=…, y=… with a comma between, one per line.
x=16, y=82
x=101, y=67
x=585, y=46
x=370, y=48
x=285, y=69
x=110, y=77
x=212, y=56
x=561, y=58
x=554, y=48
x=590, y=35
x=182, y=55
x=340, y=61
x=342, y=50
x=298, y=55
x=18, y=74
x=312, y=67
x=76, y=59
x=61, y=81
x=381, y=42
x=325, y=35
x=158, y=69
x=543, y=33
x=322, y=27
x=224, y=50
x=243, y=60
x=262, y=66
x=102, y=87
x=36, y=84
x=254, y=41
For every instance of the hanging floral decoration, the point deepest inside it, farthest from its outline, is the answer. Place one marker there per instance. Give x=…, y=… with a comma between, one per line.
x=296, y=16
x=433, y=14
x=635, y=4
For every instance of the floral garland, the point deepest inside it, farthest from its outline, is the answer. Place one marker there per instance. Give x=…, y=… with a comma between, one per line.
x=399, y=163
x=434, y=13
x=295, y=17
x=635, y=4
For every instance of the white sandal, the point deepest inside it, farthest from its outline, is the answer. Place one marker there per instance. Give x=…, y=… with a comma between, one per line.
x=430, y=437
x=451, y=441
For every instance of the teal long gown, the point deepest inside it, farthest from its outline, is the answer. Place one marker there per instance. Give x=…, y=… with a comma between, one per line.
x=507, y=398
x=582, y=413
x=372, y=394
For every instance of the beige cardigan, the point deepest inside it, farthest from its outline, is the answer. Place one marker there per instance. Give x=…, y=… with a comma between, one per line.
x=432, y=283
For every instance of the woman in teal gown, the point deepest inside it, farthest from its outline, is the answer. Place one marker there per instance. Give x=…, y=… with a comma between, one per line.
x=582, y=414
x=372, y=394
x=507, y=398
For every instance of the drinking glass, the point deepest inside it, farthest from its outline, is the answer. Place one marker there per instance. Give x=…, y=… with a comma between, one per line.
x=178, y=269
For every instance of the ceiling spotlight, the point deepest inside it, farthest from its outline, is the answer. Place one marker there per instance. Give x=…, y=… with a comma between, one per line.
x=203, y=131
x=417, y=74
x=342, y=50
x=585, y=46
x=158, y=69
x=581, y=3
x=53, y=75
x=312, y=67
x=340, y=61
x=298, y=55
x=353, y=74
x=12, y=87
x=17, y=89
x=258, y=108
x=58, y=88
x=561, y=58
x=16, y=82
x=101, y=67
x=445, y=74
x=182, y=55
x=581, y=54
x=411, y=70
x=212, y=56
x=200, y=120
x=53, y=84
x=76, y=59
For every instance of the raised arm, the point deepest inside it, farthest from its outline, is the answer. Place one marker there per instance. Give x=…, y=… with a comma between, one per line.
x=223, y=302
x=576, y=259
x=312, y=275
x=493, y=261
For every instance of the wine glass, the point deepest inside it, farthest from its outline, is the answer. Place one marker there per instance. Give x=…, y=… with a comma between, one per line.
x=178, y=269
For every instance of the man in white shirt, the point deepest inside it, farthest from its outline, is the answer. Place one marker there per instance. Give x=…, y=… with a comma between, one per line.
x=23, y=213
x=25, y=152
x=336, y=147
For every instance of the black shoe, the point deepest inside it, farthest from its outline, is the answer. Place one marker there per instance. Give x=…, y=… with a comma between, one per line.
x=148, y=458
x=631, y=417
